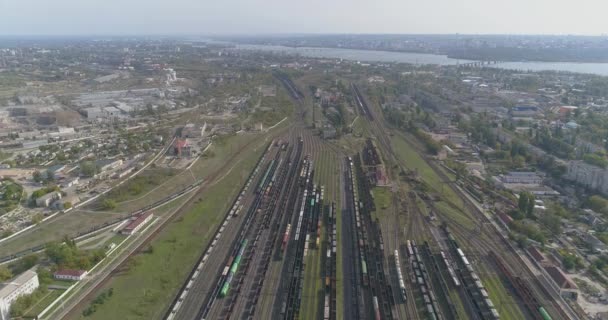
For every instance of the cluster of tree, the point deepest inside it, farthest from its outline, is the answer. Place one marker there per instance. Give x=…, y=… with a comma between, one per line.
x=571, y=260
x=25, y=302
x=601, y=262
x=47, y=177
x=12, y=191
x=595, y=159
x=99, y=300
x=66, y=255
x=396, y=117
x=88, y=168
x=108, y=204
x=553, y=143
x=528, y=229
x=552, y=223
x=23, y=264
x=481, y=131
x=598, y=203
x=549, y=165
x=429, y=143
x=337, y=118
x=5, y=273
x=40, y=192
x=525, y=203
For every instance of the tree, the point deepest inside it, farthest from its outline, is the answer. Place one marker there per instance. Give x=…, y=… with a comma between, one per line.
x=50, y=175
x=108, y=204
x=37, y=176
x=37, y=218
x=597, y=203
x=5, y=273
x=522, y=204
x=552, y=222
x=530, y=205
x=88, y=168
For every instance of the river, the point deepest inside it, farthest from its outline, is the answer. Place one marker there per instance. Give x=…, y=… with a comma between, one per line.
x=423, y=58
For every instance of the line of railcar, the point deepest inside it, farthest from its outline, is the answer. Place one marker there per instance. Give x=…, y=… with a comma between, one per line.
x=471, y=282
x=329, y=307
x=423, y=280
x=250, y=218
x=371, y=246
x=280, y=195
x=262, y=222
x=301, y=240
x=402, y=290
x=362, y=103
x=359, y=277
x=523, y=290
x=236, y=206
x=441, y=284
x=233, y=269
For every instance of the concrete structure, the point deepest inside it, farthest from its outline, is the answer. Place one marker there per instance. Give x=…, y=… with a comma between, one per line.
x=521, y=177
x=524, y=111
x=70, y=274
x=47, y=199
x=70, y=182
x=329, y=132
x=192, y=130
x=108, y=164
x=137, y=223
x=458, y=138
x=268, y=90
x=558, y=276
x=93, y=113
x=182, y=148
x=23, y=284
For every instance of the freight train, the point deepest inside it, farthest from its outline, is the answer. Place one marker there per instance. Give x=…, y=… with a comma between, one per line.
x=233, y=269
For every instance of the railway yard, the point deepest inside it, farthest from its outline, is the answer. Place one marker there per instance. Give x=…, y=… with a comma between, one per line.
x=305, y=241
x=198, y=179
x=324, y=230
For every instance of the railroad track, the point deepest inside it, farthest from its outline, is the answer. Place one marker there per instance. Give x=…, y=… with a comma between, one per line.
x=249, y=227
x=557, y=310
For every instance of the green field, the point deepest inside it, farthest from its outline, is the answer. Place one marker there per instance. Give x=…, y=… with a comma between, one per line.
x=382, y=199
x=144, y=289
x=413, y=161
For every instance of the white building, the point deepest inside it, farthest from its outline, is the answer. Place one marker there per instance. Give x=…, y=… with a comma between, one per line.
x=23, y=284
x=47, y=199
x=522, y=177
x=70, y=275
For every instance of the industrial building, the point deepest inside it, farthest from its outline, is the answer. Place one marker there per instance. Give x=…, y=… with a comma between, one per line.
x=192, y=130
x=137, y=223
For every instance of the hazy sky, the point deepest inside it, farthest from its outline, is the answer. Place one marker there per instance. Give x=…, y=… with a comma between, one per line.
x=66, y=17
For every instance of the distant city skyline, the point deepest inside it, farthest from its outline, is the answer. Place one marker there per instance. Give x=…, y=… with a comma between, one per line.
x=139, y=17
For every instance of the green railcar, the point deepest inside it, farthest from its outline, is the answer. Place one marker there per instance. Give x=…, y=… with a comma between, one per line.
x=224, y=290
x=544, y=313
